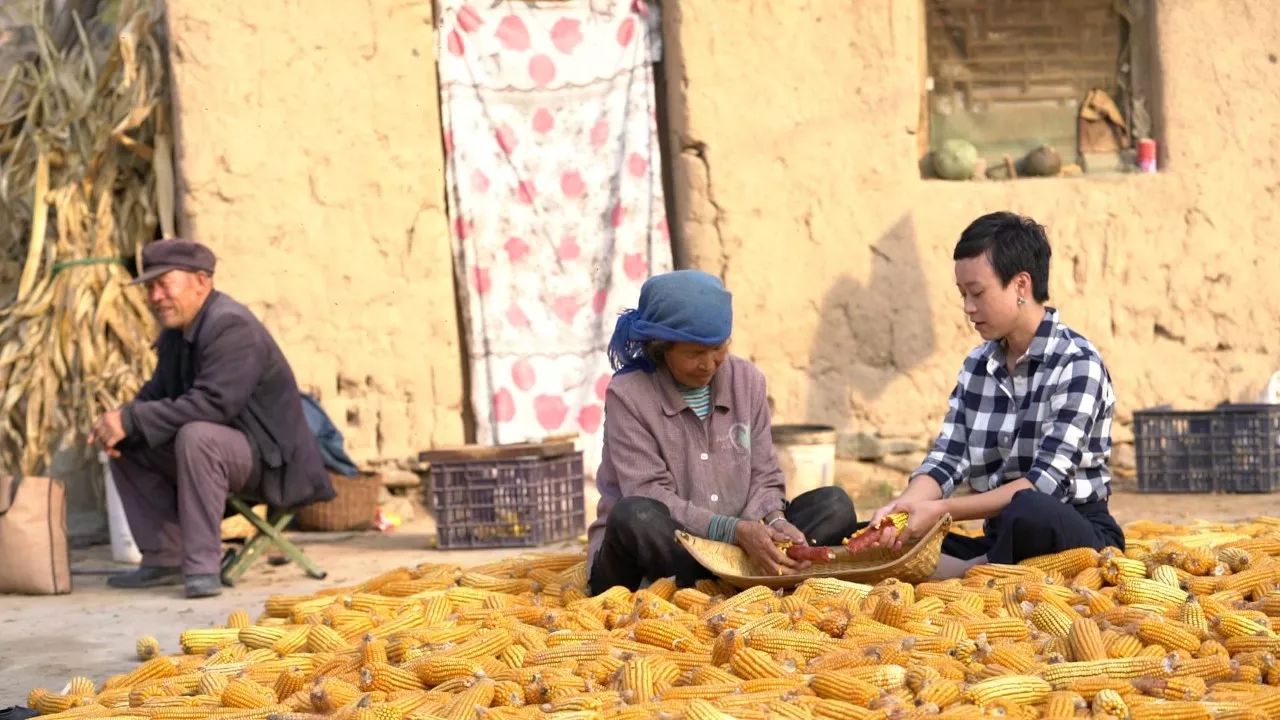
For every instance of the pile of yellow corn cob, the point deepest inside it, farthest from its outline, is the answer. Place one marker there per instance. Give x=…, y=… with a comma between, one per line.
x=1180, y=626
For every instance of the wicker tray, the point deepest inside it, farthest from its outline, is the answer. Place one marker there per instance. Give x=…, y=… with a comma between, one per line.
x=915, y=564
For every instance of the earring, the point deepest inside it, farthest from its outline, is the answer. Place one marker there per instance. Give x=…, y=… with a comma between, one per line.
x=1021, y=301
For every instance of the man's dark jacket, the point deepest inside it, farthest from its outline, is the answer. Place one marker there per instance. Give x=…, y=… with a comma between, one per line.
x=227, y=369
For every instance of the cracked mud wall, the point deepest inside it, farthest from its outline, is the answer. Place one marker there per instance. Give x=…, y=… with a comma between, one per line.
x=310, y=160
x=797, y=182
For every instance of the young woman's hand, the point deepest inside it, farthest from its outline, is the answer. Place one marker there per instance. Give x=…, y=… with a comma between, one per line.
x=921, y=515
x=759, y=541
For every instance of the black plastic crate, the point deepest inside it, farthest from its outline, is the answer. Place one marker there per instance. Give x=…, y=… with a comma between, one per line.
x=1229, y=449
x=1248, y=448
x=520, y=502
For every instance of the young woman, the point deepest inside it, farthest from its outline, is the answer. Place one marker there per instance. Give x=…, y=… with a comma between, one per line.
x=1029, y=422
x=687, y=445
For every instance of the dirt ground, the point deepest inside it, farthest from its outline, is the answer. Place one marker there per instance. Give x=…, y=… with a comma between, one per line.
x=46, y=641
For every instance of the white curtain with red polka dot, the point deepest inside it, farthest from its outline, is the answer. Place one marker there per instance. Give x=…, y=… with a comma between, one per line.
x=555, y=200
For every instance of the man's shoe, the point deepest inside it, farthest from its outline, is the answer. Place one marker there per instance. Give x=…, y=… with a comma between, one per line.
x=145, y=577
x=199, y=586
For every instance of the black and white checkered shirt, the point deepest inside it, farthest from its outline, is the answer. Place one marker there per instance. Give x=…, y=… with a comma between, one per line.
x=1050, y=422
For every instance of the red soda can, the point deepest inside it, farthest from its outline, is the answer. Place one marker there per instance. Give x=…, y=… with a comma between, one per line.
x=1147, y=155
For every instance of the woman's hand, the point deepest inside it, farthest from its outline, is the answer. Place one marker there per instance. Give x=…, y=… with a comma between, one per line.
x=921, y=515
x=759, y=541
x=791, y=532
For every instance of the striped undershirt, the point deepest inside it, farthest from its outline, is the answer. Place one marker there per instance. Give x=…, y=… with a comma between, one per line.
x=698, y=400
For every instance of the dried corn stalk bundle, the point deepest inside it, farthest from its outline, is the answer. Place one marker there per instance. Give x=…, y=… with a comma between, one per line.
x=519, y=638
x=86, y=181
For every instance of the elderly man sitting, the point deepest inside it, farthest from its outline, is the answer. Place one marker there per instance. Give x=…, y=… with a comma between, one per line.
x=222, y=414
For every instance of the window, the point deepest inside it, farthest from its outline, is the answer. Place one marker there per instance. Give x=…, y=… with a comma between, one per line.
x=1009, y=76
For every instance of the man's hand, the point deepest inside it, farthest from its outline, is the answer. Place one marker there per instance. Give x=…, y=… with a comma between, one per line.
x=759, y=541
x=921, y=515
x=108, y=431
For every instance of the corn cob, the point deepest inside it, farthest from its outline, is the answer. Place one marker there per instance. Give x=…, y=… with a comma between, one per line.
x=1211, y=647
x=834, y=623
x=1023, y=689
x=638, y=681
x=292, y=641
x=388, y=678
x=1233, y=711
x=790, y=685
x=664, y=634
x=1117, y=569
x=1166, y=575
x=51, y=703
x=1060, y=675
x=1236, y=624
x=197, y=642
x=886, y=677
x=997, y=629
x=1084, y=641
x=1064, y=704
x=1174, y=688
x=147, y=647
x=952, y=665
x=806, y=645
x=757, y=594
x=702, y=710
x=691, y=600
x=1052, y=619
x=259, y=636
x=1142, y=590
x=1256, y=576
x=1168, y=634
x=706, y=691
x=1162, y=710
x=1121, y=646
x=156, y=668
x=748, y=663
x=858, y=540
x=80, y=685
x=1068, y=562
x=212, y=684
x=1089, y=687
x=330, y=693
x=1018, y=658
x=941, y=693
x=244, y=693
x=1252, y=643
x=1089, y=578
x=683, y=661
x=840, y=685
x=832, y=709
x=1109, y=702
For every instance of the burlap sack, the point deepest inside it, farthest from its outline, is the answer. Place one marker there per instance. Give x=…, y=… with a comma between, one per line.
x=34, y=558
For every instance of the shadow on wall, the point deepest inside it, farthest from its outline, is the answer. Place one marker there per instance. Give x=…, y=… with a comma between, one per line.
x=870, y=334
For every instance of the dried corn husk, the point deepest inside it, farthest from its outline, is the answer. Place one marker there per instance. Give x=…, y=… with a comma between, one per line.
x=85, y=175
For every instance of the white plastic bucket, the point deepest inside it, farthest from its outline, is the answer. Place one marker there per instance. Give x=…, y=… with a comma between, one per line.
x=123, y=548
x=807, y=455
x=1271, y=394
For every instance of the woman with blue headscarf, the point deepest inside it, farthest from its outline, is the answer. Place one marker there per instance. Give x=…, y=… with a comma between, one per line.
x=687, y=445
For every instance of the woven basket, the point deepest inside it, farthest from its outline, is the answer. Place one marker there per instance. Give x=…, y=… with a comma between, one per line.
x=914, y=564
x=353, y=508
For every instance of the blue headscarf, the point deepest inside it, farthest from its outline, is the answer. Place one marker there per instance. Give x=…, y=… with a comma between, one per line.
x=682, y=306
